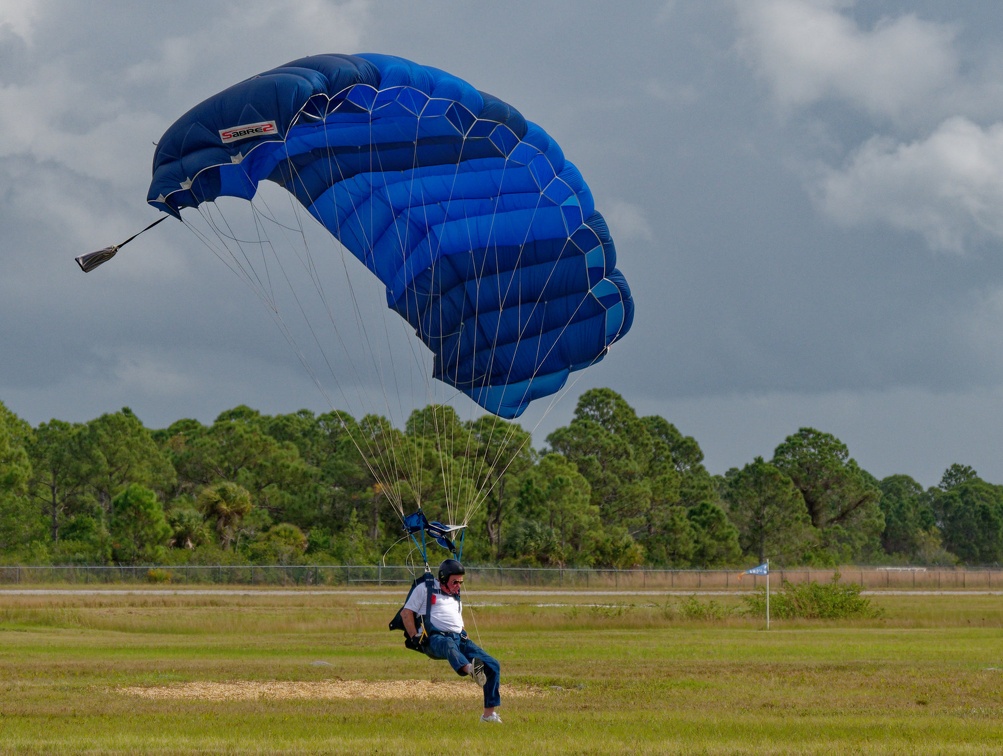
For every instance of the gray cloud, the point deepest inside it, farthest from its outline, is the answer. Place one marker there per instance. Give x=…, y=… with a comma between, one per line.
x=802, y=195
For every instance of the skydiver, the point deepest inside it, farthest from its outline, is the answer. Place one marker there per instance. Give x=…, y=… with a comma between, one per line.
x=443, y=636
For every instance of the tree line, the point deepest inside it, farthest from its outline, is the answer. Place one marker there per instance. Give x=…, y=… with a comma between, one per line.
x=610, y=489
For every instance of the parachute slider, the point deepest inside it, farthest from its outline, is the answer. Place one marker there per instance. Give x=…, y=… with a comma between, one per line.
x=417, y=522
x=91, y=260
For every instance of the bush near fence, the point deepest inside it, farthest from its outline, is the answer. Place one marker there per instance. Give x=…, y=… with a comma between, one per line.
x=871, y=578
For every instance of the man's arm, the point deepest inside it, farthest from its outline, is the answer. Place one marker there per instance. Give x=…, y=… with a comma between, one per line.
x=407, y=617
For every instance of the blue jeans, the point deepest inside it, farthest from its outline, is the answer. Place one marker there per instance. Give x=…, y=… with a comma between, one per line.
x=459, y=651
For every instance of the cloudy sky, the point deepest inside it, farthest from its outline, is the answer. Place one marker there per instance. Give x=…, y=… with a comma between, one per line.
x=806, y=199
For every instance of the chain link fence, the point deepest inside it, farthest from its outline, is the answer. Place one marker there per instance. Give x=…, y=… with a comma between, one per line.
x=871, y=578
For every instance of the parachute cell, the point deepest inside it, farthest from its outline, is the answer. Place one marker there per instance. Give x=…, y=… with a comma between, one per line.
x=484, y=236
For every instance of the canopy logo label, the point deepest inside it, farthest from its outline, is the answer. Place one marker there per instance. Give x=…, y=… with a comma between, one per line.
x=236, y=133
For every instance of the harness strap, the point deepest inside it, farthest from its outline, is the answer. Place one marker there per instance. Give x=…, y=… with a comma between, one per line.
x=430, y=592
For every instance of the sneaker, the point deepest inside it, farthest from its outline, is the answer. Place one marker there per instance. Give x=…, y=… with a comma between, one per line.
x=492, y=717
x=477, y=673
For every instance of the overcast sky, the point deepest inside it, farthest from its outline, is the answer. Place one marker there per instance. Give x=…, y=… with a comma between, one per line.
x=805, y=196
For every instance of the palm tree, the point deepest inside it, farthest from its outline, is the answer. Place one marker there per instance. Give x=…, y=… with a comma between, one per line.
x=226, y=504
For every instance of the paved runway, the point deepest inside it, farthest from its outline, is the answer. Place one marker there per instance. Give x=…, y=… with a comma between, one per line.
x=542, y=592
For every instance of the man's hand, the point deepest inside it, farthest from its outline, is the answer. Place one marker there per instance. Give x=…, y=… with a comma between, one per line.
x=416, y=642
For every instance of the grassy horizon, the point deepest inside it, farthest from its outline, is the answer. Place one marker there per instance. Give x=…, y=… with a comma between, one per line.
x=583, y=675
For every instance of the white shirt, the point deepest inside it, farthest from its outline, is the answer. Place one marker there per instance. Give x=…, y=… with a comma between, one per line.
x=446, y=610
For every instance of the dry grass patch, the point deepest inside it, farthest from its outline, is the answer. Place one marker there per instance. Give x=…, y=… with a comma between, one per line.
x=253, y=690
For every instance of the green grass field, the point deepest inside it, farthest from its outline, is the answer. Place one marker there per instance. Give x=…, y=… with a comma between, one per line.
x=264, y=673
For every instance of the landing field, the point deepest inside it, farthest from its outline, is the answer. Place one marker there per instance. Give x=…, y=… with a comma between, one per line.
x=265, y=672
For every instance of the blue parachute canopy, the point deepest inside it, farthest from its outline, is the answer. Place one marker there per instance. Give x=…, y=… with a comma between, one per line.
x=485, y=237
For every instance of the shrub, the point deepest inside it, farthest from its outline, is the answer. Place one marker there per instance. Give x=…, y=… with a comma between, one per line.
x=157, y=575
x=693, y=609
x=280, y=544
x=813, y=600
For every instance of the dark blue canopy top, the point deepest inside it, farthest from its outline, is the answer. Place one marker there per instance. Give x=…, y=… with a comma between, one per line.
x=485, y=237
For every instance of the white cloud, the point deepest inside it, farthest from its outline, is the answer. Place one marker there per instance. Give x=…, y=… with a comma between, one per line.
x=34, y=122
x=947, y=187
x=18, y=17
x=77, y=116
x=810, y=51
x=627, y=221
x=61, y=117
x=248, y=38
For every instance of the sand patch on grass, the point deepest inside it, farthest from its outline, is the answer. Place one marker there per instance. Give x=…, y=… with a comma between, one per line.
x=252, y=690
